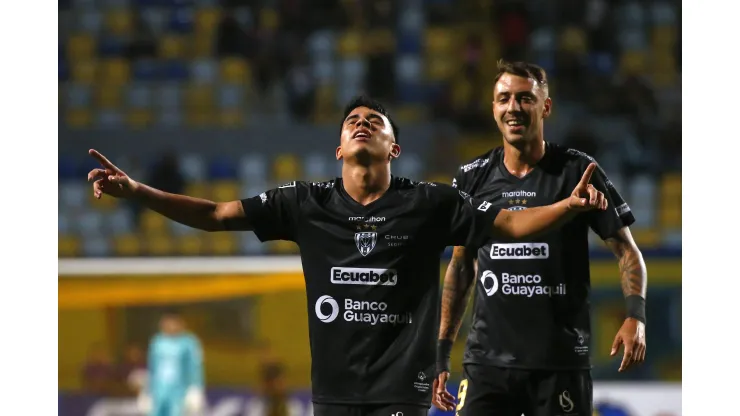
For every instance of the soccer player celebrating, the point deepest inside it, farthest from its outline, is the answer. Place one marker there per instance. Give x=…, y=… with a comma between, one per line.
x=528, y=346
x=370, y=247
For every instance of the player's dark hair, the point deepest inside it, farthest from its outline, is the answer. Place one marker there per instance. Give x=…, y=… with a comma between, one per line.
x=523, y=69
x=365, y=101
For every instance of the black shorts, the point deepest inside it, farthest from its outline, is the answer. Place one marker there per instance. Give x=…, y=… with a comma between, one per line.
x=498, y=391
x=322, y=409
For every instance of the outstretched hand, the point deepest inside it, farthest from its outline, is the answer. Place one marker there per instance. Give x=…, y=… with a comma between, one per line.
x=585, y=197
x=109, y=179
x=442, y=399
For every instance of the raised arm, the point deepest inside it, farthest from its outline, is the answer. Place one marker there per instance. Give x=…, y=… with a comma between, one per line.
x=533, y=221
x=198, y=213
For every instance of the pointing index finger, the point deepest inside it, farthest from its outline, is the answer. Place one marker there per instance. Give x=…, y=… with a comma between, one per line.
x=586, y=178
x=103, y=160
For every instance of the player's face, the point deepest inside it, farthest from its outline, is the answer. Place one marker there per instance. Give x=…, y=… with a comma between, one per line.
x=171, y=325
x=367, y=135
x=519, y=107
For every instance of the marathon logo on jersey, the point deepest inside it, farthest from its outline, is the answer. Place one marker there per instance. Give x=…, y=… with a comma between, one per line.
x=359, y=276
x=478, y=163
x=367, y=220
x=527, y=285
x=519, y=194
x=359, y=311
x=520, y=251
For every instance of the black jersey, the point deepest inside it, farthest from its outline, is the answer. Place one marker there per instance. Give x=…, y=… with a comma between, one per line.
x=532, y=296
x=372, y=280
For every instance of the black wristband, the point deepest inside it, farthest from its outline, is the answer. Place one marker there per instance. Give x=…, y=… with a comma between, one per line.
x=444, y=351
x=636, y=307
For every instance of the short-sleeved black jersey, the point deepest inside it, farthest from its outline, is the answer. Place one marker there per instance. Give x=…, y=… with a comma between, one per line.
x=532, y=296
x=372, y=279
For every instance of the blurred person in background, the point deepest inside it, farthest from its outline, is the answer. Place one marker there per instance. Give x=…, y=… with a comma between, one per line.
x=528, y=346
x=274, y=392
x=175, y=364
x=367, y=228
x=132, y=372
x=99, y=372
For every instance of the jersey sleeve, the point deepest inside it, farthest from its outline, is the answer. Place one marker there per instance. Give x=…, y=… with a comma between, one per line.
x=195, y=363
x=618, y=215
x=274, y=214
x=467, y=221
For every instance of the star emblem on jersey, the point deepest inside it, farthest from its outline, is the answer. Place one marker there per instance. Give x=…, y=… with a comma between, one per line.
x=365, y=241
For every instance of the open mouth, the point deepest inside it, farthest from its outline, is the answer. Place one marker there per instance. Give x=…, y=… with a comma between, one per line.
x=361, y=135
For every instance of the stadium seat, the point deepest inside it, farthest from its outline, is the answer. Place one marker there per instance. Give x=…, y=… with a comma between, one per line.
x=249, y=244
x=79, y=118
x=159, y=245
x=181, y=20
x=324, y=103
x=77, y=96
x=380, y=41
x=204, y=71
x=670, y=201
x=222, y=167
x=155, y=18
x=105, y=203
x=109, y=97
x=83, y=72
x=64, y=223
x=286, y=168
x=96, y=247
x=119, y=221
x=269, y=19
x=111, y=46
x=175, y=70
x=193, y=167
x=171, y=46
x=235, y=71
x=642, y=199
x=90, y=223
x=316, y=167
x=202, y=47
x=72, y=195
x=222, y=244
x=199, y=98
x=410, y=113
x=153, y=223
x=633, y=62
x=646, y=237
x=664, y=69
x=462, y=93
x=410, y=165
x=206, y=21
x=80, y=47
x=663, y=38
x=179, y=230
x=441, y=68
x=253, y=168
x=146, y=70
x=119, y=22
x=350, y=44
x=115, y=72
x=408, y=68
x=89, y=21
x=231, y=118
x=409, y=42
x=191, y=245
x=440, y=41
x=139, y=118
x=230, y=96
x=138, y=96
x=109, y=119
x=573, y=40
x=198, y=190
x=168, y=96
x=69, y=246
x=127, y=245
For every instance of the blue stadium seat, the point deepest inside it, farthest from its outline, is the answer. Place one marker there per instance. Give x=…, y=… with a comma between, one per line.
x=230, y=96
x=222, y=168
x=321, y=45
x=175, y=71
x=181, y=20
x=68, y=169
x=253, y=168
x=409, y=43
x=193, y=168
x=110, y=119
x=170, y=118
x=601, y=63
x=169, y=96
x=146, y=70
x=139, y=96
x=63, y=70
x=204, y=71
x=78, y=96
x=97, y=246
x=113, y=4
x=156, y=19
x=323, y=71
x=89, y=21
x=317, y=168
x=111, y=46
x=410, y=92
x=408, y=68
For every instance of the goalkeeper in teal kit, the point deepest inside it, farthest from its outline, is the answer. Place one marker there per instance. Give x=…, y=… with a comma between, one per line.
x=175, y=367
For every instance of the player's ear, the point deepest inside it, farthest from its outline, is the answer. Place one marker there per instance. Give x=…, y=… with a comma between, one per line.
x=395, y=151
x=548, y=108
x=339, y=153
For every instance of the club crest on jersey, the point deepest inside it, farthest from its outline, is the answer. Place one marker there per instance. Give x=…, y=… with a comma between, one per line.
x=365, y=241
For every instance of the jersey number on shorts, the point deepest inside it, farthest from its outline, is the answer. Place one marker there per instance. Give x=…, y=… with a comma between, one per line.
x=461, y=394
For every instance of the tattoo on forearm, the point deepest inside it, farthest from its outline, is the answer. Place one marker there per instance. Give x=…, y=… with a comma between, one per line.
x=458, y=283
x=631, y=265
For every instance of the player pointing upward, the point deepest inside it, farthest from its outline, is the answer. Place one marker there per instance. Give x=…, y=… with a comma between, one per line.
x=370, y=246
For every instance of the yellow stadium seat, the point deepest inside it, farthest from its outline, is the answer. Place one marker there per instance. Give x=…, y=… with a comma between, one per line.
x=350, y=44
x=115, y=71
x=670, y=201
x=199, y=97
x=380, y=42
x=670, y=218
x=109, y=97
x=269, y=19
x=282, y=247
x=198, y=190
x=105, y=203
x=223, y=244
x=81, y=46
x=84, y=72
x=202, y=47
x=231, y=118
x=191, y=245
x=663, y=38
x=235, y=71
x=646, y=237
x=198, y=117
x=69, y=246
x=440, y=41
x=127, y=245
x=206, y=21
x=139, y=118
x=461, y=93
x=409, y=113
x=441, y=68
x=286, y=167
x=224, y=191
x=119, y=22
x=324, y=103
x=670, y=185
x=171, y=46
x=664, y=69
x=573, y=39
x=79, y=117
x=153, y=223
x=633, y=62
x=160, y=245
